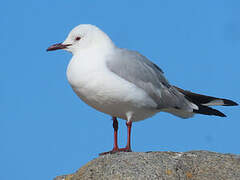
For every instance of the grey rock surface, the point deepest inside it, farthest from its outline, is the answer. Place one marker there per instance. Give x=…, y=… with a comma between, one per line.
x=193, y=165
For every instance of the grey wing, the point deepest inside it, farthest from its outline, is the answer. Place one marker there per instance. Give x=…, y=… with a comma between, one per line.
x=137, y=69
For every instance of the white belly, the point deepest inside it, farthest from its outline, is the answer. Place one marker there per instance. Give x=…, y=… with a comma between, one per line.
x=108, y=93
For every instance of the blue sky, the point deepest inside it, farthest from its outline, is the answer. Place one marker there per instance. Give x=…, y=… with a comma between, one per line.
x=45, y=130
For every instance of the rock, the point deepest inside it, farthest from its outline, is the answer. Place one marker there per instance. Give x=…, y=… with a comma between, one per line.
x=193, y=165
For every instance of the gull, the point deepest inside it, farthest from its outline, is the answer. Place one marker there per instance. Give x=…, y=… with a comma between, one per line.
x=125, y=84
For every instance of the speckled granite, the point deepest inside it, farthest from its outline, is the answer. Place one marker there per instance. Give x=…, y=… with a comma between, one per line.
x=193, y=165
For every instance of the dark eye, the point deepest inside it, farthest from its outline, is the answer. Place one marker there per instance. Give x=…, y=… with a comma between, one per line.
x=77, y=38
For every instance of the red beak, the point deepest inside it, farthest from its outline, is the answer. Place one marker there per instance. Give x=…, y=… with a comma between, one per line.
x=58, y=46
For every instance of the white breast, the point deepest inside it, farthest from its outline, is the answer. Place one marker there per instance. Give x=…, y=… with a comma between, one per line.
x=107, y=92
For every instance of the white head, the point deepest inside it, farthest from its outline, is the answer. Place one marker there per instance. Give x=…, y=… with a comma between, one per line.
x=82, y=37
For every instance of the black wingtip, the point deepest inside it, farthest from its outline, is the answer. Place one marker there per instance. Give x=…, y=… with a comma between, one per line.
x=221, y=114
x=218, y=113
x=203, y=99
x=229, y=103
x=208, y=111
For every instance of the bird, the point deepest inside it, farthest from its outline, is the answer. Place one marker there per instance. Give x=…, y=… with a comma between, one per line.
x=125, y=84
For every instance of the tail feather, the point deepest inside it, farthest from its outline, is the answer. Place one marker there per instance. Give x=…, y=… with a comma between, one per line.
x=203, y=102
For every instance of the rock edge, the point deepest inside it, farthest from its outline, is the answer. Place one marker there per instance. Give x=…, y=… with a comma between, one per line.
x=192, y=165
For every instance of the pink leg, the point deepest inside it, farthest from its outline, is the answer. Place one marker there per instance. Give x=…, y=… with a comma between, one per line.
x=115, y=147
x=129, y=126
x=128, y=146
x=115, y=127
